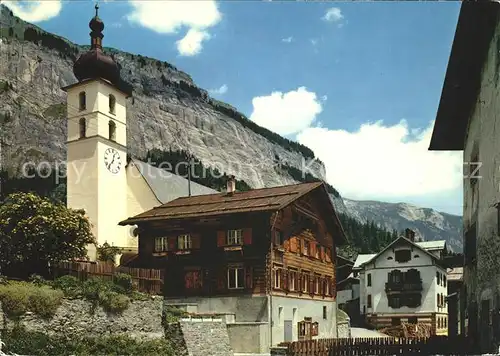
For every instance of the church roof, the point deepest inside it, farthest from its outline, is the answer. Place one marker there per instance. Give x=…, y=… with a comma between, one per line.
x=167, y=186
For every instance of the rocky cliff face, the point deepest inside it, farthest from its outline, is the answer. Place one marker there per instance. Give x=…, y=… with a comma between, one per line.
x=167, y=111
x=428, y=224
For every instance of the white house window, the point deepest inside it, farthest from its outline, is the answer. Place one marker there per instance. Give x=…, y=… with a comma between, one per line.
x=235, y=278
x=277, y=278
x=293, y=280
x=184, y=242
x=234, y=237
x=161, y=244
x=316, y=285
x=305, y=281
x=402, y=256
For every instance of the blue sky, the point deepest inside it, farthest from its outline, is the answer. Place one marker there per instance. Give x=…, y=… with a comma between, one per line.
x=358, y=82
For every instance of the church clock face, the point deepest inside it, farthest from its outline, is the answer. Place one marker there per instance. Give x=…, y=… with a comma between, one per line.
x=112, y=160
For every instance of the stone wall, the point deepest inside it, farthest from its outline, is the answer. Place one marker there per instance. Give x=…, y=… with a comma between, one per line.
x=204, y=337
x=141, y=319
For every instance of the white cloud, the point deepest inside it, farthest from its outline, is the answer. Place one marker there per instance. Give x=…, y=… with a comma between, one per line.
x=219, y=91
x=333, y=14
x=286, y=113
x=192, y=43
x=287, y=40
x=169, y=16
x=383, y=162
x=35, y=11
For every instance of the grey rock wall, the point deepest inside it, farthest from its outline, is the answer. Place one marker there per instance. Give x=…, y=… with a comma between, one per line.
x=142, y=319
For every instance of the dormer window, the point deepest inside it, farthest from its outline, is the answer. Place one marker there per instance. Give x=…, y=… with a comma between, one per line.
x=184, y=242
x=82, y=101
x=235, y=237
x=112, y=104
x=402, y=256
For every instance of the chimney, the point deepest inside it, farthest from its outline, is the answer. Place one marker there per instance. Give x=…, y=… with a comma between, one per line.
x=410, y=234
x=231, y=185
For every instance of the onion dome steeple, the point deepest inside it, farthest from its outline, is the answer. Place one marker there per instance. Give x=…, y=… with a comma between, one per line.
x=94, y=64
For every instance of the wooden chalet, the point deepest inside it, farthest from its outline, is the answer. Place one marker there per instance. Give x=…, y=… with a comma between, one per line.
x=276, y=242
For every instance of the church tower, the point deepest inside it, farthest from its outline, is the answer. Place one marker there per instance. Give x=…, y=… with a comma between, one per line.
x=97, y=142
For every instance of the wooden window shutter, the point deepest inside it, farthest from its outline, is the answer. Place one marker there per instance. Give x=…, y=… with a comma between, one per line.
x=312, y=251
x=293, y=244
x=172, y=243
x=221, y=279
x=284, y=278
x=321, y=285
x=195, y=241
x=299, y=279
x=249, y=277
x=221, y=238
x=247, y=236
x=311, y=284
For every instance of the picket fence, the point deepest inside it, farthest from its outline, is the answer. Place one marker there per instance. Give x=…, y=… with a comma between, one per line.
x=146, y=280
x=438, y=345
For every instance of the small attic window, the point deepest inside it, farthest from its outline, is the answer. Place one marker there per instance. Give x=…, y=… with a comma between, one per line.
x=390, y=258
x=402, y=255
x=416, y=256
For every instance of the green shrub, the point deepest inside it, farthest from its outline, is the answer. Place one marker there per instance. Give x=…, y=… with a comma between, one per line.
x=20, y=297
x=44, y=301
x=20, y=341
x=172, y=314
x=113, y=302
x=70, y=285
x=124, y=281
x=37, y=280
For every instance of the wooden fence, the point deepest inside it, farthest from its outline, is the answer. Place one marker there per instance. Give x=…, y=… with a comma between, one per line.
x=146, y=280
x=439, y=345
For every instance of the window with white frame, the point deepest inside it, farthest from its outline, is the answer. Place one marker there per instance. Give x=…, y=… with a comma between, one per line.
x=277, y=278
x=234, y=237
x=305, y=281
x=184, y=242
x=293, y=280
x=235, y=278
x=316, y=284
x=161, y=244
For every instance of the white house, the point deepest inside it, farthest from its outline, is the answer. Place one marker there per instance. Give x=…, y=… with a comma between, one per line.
x=405, y=282
x=466, y=122
x=99, y=178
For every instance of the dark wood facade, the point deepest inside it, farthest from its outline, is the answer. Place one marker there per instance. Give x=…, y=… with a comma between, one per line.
x=289, y=251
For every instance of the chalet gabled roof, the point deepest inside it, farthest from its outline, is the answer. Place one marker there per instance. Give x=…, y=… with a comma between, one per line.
x=396, y=241
x=256, y=200
x=363, y=258
x=476, y=25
